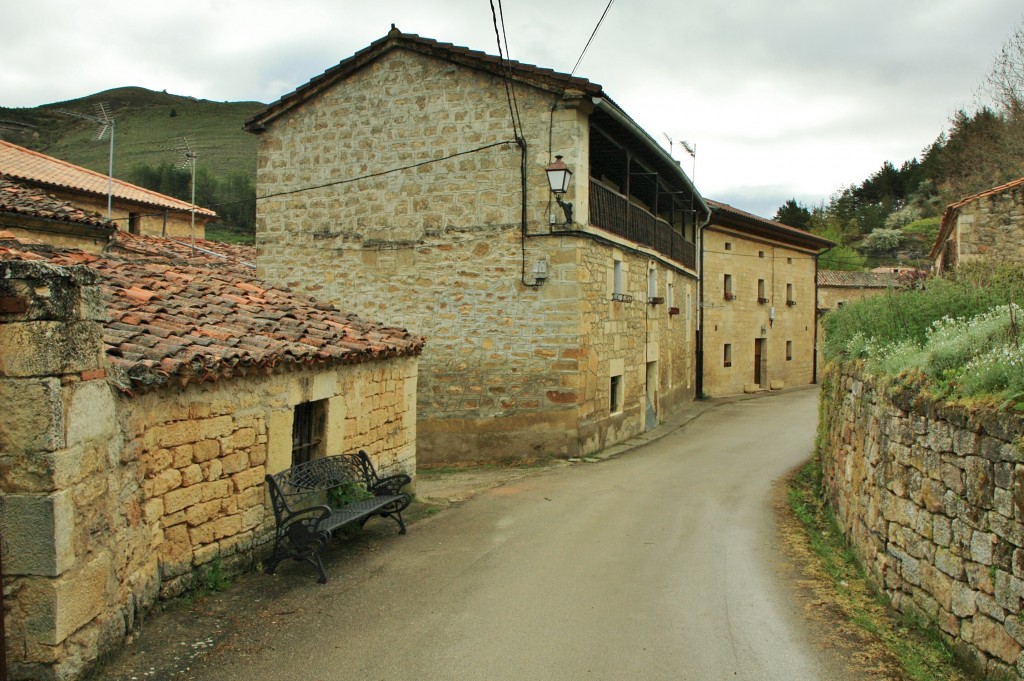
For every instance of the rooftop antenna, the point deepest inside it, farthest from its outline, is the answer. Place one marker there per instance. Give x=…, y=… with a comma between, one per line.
x=691, y=149
x=104, y=124
x=188, y=160
x=671, y=142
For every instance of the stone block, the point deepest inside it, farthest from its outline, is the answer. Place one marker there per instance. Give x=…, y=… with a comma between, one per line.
x=248, y=478
x=38, y=533
x=992, y=638
x=33, y=415
x=59, y=607
x=205, y=450
x=181, y=498
x=49, y=348
x=963, y=600
x=234, y=462
x=91, y=414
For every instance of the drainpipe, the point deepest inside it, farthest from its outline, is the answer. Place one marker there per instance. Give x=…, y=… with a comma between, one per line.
x=3, y=632
x=699, y=381
x=814, y=364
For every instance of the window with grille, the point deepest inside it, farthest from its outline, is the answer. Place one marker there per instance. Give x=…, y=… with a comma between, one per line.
x=308, y=425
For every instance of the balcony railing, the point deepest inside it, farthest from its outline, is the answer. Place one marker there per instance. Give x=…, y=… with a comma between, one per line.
x=613, y=212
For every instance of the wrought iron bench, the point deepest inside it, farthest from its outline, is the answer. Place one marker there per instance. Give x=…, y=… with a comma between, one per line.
x=313, y=499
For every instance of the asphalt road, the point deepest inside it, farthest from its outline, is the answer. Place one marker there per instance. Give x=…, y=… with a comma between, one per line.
x=659, y=564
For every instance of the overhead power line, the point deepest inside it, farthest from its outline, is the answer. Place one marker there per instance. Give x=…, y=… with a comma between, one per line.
x=591, y=39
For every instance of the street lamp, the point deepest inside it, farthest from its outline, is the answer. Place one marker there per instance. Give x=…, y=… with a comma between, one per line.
x=559, y=177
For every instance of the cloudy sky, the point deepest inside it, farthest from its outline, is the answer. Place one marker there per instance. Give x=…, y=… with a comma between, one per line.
x=783, y=98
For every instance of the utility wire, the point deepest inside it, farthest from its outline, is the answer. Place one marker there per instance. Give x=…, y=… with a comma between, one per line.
x=335, y=182
x=507, y=68
x=591, y=39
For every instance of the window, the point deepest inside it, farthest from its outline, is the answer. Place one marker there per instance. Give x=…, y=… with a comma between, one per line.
x=762, y=298
x=133, y=223
x=616, y=397
x=727, y=288
x=728, y=246
x=789, y=350
x=760, y=254
x=789, y=295
x=652, y=283
x=308, y=426
x=670, y=293
x=789, y=261
x=689, y=304
x=727, y=355
x=617, y=274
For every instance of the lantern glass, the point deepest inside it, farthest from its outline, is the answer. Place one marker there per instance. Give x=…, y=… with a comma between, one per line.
x=559, y=176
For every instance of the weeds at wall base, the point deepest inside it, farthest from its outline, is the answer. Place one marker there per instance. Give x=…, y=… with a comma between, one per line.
x=918, y=647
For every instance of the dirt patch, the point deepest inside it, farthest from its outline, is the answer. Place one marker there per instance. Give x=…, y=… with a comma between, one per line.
x=829, y=612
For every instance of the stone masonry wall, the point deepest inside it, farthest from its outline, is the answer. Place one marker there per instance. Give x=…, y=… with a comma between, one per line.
x=108, y=502
x=932, y=499
x=992, y=227
x=739, y=321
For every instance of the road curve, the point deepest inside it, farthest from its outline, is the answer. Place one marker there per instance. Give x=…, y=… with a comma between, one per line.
x=659, y=564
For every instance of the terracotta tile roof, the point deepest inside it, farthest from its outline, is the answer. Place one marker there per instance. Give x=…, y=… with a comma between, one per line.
x=177, y=320
x=844, y=279
x=31, y=166
x=949, y=216
x=16, y=197
x=743, y=220
x=527, y=73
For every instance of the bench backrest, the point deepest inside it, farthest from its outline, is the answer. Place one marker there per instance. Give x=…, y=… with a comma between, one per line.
x=305, y=484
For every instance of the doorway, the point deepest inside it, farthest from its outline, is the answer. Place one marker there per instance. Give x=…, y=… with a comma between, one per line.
x=760, y=360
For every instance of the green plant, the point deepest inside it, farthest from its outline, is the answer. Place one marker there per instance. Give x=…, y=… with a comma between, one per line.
x=213, y=578
x=348, y=493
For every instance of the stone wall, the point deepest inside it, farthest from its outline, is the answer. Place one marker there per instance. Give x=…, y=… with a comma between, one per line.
x=741, y=320
x=108, y=502
x=932, y=499
x=991, y=226
x=151, y=220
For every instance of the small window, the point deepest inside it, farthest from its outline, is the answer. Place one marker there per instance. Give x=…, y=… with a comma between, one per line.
x=652, y=283
x=727, y=287
x=689, y=304
x=617, y=274
x=789, y=351
x=670, y=295
x=727, y=355
x=789, y=295
x=616, y=397
x=760, y=254
x=308, y=426
x=133, y=223
x=728, y=245
x=761, y=295
x=789, y=261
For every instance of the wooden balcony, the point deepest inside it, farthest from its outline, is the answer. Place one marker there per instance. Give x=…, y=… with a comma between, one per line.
x=613, y=212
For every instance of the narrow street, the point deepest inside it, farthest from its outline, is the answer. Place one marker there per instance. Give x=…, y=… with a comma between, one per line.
x=659, y=564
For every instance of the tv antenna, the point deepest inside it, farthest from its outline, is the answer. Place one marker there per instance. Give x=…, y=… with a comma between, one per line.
x=691, y=149
x=104, y=124
x=188, y=160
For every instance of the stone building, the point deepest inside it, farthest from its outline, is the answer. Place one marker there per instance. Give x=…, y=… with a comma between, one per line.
x=838, y=287
x=31, y=212
x=986, y=225
x=147, y=392
x=757, y=303
x=408, y=182
x=133, y=209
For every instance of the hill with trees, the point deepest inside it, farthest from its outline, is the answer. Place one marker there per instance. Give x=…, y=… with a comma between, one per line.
x=893, y=216
x=150, y=133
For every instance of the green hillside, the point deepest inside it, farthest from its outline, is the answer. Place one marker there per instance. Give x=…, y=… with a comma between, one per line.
x=150, y=126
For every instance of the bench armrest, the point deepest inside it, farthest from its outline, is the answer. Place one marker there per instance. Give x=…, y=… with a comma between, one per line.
x=392, y=484
x=310, y=517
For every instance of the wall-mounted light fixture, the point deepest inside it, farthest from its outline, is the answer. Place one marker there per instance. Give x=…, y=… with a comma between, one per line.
x=559, y=177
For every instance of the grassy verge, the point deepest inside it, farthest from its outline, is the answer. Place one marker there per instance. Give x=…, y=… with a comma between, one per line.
x=909, y=643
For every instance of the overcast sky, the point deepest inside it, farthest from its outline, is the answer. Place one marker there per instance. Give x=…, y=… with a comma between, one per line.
x=783, y=98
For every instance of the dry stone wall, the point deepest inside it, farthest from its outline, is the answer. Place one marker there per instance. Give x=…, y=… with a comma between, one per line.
x=932, y=498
